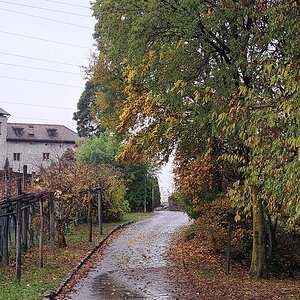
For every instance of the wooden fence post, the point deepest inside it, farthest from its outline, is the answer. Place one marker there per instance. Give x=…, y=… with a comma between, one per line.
x=230, y=220
x=33, y=175
x=18, y=232
x=99, y=196
x=25, y=213
x=5, y=239
x=30, y=228
x=24, y=183
x=51, y=224
x=90, y=217
x=25, y=228
x=41, y=254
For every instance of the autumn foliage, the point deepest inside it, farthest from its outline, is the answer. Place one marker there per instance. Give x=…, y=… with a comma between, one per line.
x=199, y=256
x=216, y=84
x=68, y=178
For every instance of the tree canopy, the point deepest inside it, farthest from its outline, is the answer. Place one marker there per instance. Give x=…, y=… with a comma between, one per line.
x=215, y=81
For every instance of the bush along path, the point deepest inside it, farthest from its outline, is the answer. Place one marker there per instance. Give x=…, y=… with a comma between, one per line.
x=133, y=265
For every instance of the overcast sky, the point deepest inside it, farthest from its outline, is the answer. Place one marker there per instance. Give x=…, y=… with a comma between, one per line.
x=29, y=39
x=41, y=60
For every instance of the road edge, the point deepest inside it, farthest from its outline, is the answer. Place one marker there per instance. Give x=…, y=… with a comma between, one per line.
x=51, y=295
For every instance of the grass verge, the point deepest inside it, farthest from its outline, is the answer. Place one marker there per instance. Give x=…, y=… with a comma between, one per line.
x=36, y=281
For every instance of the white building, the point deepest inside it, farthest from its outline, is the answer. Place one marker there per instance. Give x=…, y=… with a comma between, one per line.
x=33, y=145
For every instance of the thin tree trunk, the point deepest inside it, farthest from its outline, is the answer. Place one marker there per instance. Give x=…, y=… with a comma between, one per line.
x=41, y=254
x=5, y=240
x=99, y=196
x=31, y=228
x=18, y=233
x=90, y=219
x=258, y=263
x=61, y=240
x=228, y=248
x=51, y=224
x=271, y=235
x=25, y=228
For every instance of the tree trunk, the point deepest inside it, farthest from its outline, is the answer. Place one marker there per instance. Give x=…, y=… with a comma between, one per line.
x=41, y=239
x=61, y=240
x=258, y=263
x=18, y=232
x=5, y=240
x=25, y=228
x=51, y=224
x=90, y=217
x=271, y=234
x=99, y=197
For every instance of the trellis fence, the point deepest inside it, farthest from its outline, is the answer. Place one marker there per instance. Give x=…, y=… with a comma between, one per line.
x=17, y=213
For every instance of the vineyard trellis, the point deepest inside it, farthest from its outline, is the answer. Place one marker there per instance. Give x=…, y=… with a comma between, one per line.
x=17, y=213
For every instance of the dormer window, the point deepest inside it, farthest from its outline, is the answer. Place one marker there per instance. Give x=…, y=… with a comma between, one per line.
x=31, y=130
x=52, y=132
x=18, y=131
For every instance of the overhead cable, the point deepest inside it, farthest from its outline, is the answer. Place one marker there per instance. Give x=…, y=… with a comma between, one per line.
x=43, y=82
x=63, y=121
x=40, y=59
x=37, y=68
x=41, y=39
x=46, y=9
x=65, y=3
x=37, y=105
x=43, y=18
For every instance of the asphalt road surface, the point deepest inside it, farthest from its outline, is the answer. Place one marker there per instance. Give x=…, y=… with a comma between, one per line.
x=134, y=266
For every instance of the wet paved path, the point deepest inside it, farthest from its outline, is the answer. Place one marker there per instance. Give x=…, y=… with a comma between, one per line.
x=133, y=265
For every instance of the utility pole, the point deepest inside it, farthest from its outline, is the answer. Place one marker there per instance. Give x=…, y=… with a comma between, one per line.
x=152, y=196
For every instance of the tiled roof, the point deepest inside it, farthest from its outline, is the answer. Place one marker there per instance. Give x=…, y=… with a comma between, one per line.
x=3, y=112
x=40, y=133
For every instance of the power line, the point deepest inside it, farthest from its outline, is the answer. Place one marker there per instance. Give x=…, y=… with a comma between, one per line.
x=65, y=3
x=37, y=105
x=43, y=18
x=63, y=121
x=46, y=9
x=41, y=39
x=40, y=59
x=44, y=82
x=37, y=68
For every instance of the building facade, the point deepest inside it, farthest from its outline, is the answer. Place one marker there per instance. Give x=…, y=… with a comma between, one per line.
x=33, y=145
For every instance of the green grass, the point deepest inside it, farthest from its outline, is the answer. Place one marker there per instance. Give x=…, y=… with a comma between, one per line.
x=136, y=217
x=36, y=281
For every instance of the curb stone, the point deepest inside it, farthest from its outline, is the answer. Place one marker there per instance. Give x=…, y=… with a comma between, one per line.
x=53, y=294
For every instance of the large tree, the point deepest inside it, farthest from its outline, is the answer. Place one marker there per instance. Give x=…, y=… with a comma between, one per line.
x=212, y=70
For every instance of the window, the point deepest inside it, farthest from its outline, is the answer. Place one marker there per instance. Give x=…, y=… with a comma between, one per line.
x=31, y=130
x=52, y=132
x=17, y=156
x=18, y=131
x=46, y=156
